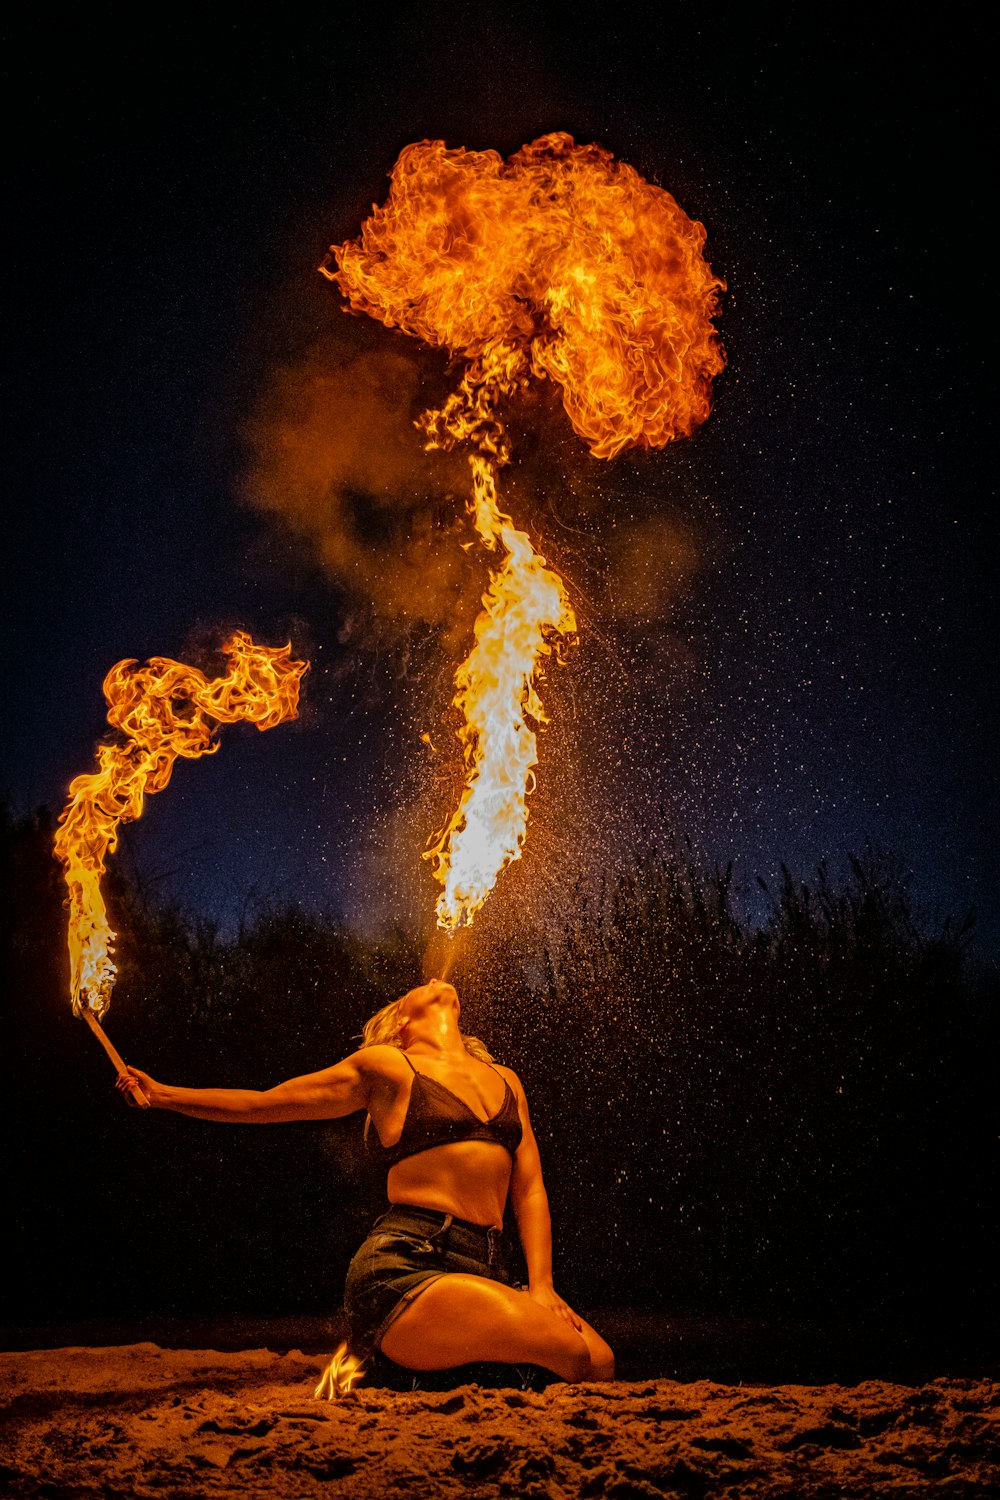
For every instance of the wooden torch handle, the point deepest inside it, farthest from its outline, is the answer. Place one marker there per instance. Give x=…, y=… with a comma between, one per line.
x=112, y=1051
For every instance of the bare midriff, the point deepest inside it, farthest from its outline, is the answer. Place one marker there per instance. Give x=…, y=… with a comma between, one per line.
x=466, y=1178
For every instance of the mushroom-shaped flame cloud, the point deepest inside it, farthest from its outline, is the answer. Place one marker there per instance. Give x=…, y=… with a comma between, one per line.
x=560, y=262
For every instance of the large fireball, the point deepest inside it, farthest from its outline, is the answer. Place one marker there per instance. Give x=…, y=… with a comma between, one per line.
x=569, y=260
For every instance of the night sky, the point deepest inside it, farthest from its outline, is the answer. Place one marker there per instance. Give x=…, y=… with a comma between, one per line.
x=785, y=649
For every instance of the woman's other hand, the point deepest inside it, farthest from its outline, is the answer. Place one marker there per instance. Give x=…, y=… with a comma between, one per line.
x=136, y=1078
x=546, y=1296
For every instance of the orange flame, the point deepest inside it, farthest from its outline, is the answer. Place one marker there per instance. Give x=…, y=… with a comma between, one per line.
x=163, y=710
x=341, y=1374
x=559, y=263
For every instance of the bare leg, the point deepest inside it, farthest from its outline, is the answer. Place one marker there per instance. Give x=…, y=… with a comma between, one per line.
x=458, y=1319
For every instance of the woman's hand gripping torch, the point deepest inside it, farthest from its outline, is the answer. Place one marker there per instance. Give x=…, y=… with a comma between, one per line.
x=138, y=1097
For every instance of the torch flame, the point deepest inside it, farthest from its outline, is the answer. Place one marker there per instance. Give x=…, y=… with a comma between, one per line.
x=344, y=1371
x=162, y=710
x=558, y=263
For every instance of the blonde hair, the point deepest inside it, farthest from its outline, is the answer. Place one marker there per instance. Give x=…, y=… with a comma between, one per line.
x=383, y=1030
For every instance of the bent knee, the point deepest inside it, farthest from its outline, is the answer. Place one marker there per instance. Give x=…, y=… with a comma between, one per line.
x=592, y=1358
x=602, y=1362
x=580, y=1363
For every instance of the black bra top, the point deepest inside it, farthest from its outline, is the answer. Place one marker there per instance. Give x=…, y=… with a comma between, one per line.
x=437, y=1117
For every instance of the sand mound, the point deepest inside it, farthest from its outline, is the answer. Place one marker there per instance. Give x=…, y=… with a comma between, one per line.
x=142, y=1421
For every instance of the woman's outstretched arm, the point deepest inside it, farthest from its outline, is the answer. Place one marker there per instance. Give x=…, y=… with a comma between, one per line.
x=531, y=1209
x=326, y=1095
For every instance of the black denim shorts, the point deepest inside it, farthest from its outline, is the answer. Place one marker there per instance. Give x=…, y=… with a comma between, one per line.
x=407, y=1249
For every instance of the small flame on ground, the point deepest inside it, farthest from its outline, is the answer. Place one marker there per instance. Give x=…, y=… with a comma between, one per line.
x=162, y=710
x=341, y=1374
x=563, y=264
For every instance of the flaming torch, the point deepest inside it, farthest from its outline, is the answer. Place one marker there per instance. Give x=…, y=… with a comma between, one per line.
x=559, y=263
x=162, y=710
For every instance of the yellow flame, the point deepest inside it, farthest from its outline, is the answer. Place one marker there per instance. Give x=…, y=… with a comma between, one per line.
x=524, y=609
x=163, y=710
x=341, y=1374
x=524, y=606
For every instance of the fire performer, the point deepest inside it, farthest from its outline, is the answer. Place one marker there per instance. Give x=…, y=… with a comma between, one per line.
x=428, y=1287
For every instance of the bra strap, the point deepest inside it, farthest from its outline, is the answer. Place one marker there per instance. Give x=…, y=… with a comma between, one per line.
x=412, y=1068
x=502, y=1079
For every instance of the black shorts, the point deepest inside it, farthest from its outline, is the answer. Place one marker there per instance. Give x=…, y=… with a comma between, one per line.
x=407, y=1249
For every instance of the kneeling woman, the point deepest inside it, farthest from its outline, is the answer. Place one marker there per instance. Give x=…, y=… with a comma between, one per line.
x=427, y=1287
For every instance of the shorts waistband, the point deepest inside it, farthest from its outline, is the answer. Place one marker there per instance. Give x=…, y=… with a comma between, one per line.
x=439, y=1220
x=480, y=1239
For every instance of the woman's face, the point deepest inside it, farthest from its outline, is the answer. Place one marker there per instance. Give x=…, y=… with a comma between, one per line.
x=426, y=997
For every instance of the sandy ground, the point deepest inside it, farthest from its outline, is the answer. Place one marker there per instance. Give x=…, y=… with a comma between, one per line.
x=137, y=1420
